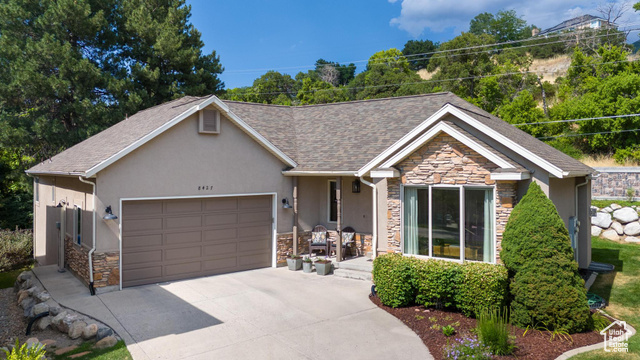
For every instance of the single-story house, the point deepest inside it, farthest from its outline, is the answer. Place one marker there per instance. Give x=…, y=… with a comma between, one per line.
x=200, y=186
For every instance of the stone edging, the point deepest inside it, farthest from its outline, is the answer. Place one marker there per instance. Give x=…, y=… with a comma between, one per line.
x=598, y=346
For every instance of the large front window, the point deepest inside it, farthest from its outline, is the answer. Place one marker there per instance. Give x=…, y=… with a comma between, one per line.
x=449, y=222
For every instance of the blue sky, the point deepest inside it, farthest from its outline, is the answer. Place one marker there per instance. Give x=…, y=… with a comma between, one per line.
x=252, y=37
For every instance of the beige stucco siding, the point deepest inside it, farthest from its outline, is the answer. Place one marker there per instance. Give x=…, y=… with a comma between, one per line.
x=313, y=201
x=51, y=191
x=182, y=162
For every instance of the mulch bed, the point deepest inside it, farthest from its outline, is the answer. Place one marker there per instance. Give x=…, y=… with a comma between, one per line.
x=426, y=322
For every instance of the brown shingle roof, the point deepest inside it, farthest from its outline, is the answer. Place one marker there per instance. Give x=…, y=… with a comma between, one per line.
x=330, y=137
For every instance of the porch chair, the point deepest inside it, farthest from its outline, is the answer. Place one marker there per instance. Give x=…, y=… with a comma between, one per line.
x=348, y=235
x=319, y=240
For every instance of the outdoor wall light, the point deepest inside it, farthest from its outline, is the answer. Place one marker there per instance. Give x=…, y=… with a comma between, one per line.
x=285, y=204
x=109, y=215
x=355, y=186
x=61, y=204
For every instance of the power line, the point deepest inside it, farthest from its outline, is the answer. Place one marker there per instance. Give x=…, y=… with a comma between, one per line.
x=575, y=120
x=587, y=134
x=448, y=51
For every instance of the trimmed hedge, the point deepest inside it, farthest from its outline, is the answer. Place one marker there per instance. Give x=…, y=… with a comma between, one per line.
x=468, y=287
x=16, y=249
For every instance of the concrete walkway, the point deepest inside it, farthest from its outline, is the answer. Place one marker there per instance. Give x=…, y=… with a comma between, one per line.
x=261, y=314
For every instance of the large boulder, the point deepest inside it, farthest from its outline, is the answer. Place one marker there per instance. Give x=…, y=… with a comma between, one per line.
x=595, y=230
x=103, y=332
x=76, y=329
x=602, y=220
x=632, y=229
x=107, y=342
x=89, y=331
x=57, y=319
x=44, y=323
x=632, y=239
x=617, y=227
x=42, y=296
x=611, y=235
x=27, y=304
x=40, y=308
x=625, y=215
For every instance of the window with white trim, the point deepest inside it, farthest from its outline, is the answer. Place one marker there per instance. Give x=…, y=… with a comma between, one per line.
x=449, y=222
x=77, y=224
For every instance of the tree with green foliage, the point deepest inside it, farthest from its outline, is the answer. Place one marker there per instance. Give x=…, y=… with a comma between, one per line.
x=546, y=288
x=504, y=26
x=418, y=52
x=523, y=109
x=71, y=68
x=343, y=73
x=320, y=92
x=387, y=71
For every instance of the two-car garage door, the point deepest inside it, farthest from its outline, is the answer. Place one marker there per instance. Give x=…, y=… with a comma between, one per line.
x=165, y=240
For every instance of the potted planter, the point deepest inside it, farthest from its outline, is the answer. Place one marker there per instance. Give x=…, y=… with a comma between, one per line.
x=323, y=266
x=294, y=262
x=307, y=265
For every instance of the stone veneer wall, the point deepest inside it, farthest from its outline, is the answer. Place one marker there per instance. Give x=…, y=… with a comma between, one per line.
x=363, y=243
x=444, y=160
x=613, y=182
x=76, y=259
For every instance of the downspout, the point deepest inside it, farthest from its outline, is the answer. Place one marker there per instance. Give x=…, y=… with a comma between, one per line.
x=92, y=290
x=374, y=235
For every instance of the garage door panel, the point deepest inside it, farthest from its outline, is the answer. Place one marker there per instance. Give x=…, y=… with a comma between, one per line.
x=220, y=219
x=151, y=272
x=183, y=237
x=184, y=268
x=220, y=235
x=183, y=206
x=141, y=257
x=167, y=240
x=222, y=249
x=183, y=253
x=142, y=208
x=141, y=241
x=183, y=222
x=221, y=204
x=139, y=225
x=218, y=264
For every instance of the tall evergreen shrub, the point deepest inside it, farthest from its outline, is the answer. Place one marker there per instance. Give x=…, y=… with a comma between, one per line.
x=545, y=286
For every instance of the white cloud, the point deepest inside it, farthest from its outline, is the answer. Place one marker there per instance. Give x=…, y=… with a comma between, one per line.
x=443, y=15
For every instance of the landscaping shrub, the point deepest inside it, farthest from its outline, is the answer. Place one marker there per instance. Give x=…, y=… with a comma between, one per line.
x=546, y=288
x=401, y=281
x=24, y=352
x=493, y=331
x=393, y=276
x=481, y=286
x=436, y=282
x=16, y=249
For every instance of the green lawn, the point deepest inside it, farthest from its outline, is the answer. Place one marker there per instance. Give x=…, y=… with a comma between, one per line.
x=604, y=203
x=7, y=279
x=620, y=288
x=118, y=352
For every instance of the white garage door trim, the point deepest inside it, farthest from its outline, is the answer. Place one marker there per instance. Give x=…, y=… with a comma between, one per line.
x=274, y=211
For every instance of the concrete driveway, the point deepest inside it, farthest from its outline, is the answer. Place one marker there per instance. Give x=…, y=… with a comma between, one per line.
x=260, y=314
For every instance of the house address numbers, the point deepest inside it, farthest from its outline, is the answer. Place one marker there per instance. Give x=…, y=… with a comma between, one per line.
x=205, y=187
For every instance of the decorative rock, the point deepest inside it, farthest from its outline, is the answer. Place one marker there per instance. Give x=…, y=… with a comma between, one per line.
x=27, y=304
x=595, y=231
x=40, y=308
x=65, y=350
x=602, y=220
x=49, y=342
x=22, y=294
x=607, y=209
x=632, y=229
x=615, y=206
x=57, y=319
x=617, y=227
x=25, y=275
x=103, y=332
x=26, y=284
x=33, y=290
x=54, y=311
x=625, y=215
x=632, y=239
x=31, y=341
x=107, y=342
x=66, y=323
x=89, y=331
x=44, y=323
x=42, y=296
x=79, y=354
x=76, y=329
x=611, y=235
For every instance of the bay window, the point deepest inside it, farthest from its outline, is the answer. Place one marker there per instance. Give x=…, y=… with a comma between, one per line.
x=449, y=222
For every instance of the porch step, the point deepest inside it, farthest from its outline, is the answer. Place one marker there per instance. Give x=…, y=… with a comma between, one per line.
x=358, y=265
x=352, y=274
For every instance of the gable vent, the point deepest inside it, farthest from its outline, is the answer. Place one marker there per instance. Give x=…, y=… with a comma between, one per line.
x=209, y=122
